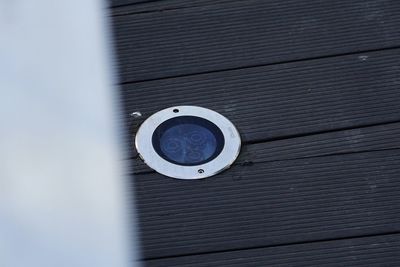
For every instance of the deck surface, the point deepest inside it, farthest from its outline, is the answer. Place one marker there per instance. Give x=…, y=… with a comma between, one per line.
x=314, y=89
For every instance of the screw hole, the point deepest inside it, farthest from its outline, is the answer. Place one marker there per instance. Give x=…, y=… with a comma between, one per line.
x=200, y=171
x=176, y=110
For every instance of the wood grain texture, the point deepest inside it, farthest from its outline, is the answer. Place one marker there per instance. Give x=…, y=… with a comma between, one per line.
x=286, y=100
x=125, y=7
x=239, y=34
x=367, y=251
x=270, y=203
x=373, y=138
x=125, y=2
x=313, y=87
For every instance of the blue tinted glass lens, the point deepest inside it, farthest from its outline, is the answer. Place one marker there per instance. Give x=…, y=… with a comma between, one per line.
x=188, y=140
x=188, y=143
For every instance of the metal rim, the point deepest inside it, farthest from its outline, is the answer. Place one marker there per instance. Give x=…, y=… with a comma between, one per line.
x=224, y=160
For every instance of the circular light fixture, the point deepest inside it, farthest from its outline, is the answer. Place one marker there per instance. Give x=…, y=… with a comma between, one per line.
x=188, y=142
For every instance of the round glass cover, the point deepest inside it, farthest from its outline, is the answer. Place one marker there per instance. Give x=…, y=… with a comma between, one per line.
x=188, y=140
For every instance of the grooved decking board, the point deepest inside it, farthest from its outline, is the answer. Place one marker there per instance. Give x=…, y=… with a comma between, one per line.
x=127, y=2
x=248, y=33
x=341, y=142
x=121, y=7
x=270, y=203
x=287, y=99
x=367, y=251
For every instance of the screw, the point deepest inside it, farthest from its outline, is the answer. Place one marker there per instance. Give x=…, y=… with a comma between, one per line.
x=200, y=171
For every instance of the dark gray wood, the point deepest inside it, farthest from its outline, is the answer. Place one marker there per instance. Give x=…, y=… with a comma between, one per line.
x=270, y=203
x=239, y=34
x=114, y=3
x=286, y=100
x=372, y=138
x=313, y=87
x=367, y=251
x=124, y=7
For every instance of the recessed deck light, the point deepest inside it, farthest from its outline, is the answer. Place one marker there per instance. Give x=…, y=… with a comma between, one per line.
x=188, y=142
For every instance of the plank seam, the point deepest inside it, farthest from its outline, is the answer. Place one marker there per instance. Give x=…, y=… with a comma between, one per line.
x=291, y=159
x=274, y=246
x=160, y=9
x=260, y=141
x=132, y=4
x=262, y=65
x=286, y=137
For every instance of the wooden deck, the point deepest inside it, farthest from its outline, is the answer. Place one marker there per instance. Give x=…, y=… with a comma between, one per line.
x=314, y=89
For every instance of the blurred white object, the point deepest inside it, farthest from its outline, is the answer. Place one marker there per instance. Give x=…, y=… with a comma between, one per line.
x=63, y=194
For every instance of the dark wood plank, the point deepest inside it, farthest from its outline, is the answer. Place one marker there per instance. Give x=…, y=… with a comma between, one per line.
x=340, y=142
x=124, y=7
x=367, y=251
x=270, y=203
x=287, y=99
x=247, y=33
x=113, y=3
x=333, y=184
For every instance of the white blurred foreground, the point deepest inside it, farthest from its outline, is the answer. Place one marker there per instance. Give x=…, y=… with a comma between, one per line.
x=63, y=197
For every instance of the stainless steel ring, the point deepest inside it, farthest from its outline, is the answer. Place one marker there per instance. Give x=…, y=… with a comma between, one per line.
x=224, y=160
